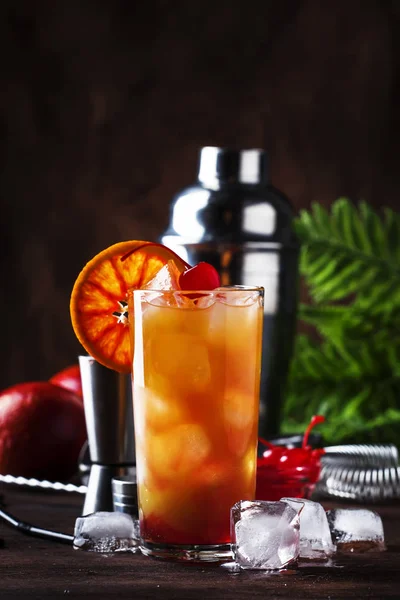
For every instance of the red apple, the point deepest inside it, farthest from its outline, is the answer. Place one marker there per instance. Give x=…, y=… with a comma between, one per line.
x=42, y=430
x=69, y=378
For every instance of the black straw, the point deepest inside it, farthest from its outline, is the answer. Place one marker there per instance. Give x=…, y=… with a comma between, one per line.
x=35, y=531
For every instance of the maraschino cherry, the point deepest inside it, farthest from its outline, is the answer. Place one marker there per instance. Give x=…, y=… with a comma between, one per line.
x=293, y=472
x=202, y=276
x=288, y=458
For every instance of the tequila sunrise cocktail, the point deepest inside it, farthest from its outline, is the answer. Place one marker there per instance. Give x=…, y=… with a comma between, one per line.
x=196, y=380
x=196, y=374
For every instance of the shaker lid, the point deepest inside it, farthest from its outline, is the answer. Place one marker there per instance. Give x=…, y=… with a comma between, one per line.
x=225, y=165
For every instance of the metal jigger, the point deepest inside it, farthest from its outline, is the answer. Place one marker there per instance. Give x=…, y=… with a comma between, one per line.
x=107, y=401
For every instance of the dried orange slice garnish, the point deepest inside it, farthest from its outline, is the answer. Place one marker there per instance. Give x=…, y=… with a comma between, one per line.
x=99, y=298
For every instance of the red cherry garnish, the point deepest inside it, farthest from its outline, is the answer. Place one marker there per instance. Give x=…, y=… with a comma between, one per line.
x=285, y=458
x=314, y=421
x=202, y=276
x=293, y=472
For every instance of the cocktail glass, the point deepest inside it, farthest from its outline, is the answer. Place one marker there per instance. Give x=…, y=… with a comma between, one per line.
x=196, y=378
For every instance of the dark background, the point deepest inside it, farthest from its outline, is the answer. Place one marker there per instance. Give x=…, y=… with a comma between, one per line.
x=104, y=105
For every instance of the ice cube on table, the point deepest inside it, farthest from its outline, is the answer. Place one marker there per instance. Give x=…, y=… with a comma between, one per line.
x=315, y=535
x=356, y=529
x=264, y=535
x=107, y=532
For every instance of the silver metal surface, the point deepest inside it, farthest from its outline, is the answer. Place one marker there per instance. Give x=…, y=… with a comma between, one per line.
x=124, y=485
x=43, y=484
x=369, y=455
x=99, y=495
x=107, y=400
x=124, y=491
x=242, y=166
x=364, y=473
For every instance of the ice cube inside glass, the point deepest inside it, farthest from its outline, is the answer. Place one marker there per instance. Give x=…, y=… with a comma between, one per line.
x=264, y=535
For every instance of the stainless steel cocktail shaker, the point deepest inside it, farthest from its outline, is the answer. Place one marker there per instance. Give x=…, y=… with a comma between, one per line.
x=234, y=219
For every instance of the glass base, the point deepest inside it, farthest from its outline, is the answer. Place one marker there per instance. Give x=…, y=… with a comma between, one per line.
x=194, y=553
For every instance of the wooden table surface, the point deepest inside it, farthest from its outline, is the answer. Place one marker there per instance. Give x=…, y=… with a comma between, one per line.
x=37, y=568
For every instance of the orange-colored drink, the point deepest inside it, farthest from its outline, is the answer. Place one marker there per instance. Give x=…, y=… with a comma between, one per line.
x=196, y=397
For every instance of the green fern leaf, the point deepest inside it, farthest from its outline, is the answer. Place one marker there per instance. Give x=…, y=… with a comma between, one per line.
x=351, y=262
x=349, y=250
